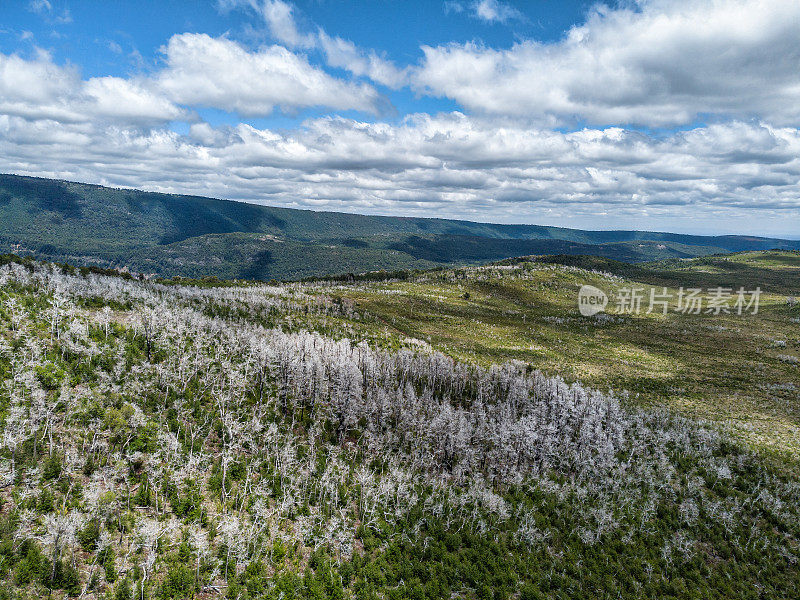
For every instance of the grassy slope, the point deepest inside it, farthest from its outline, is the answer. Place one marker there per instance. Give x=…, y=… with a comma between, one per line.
x=772, y=271
x=727, y=367
x=89, y=224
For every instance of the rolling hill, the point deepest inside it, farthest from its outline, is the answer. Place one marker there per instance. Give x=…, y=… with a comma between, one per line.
x=170, y=235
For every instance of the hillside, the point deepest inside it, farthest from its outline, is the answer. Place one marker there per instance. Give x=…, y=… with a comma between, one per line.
x=419, y=438
x=195, y=236
x=737, y=369
x=776, y=271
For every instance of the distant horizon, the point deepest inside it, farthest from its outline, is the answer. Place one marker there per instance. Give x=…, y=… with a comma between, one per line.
x=787, y=237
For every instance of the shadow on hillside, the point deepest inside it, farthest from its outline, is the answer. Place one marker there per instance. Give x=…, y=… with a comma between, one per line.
x=259, y=267
x=53, y=196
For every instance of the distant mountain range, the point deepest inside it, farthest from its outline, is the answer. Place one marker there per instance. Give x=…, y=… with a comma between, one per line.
x=194, y=236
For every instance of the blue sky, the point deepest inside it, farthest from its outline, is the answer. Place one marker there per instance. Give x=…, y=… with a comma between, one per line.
x=649, y=114
x=125, y=38
x=145, y=25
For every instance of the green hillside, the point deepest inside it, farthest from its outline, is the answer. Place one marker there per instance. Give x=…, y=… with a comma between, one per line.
x=163, y=233
x=777, y=271
x=461, y=434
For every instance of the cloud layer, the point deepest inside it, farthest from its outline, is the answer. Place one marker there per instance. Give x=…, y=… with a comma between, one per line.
x=447, y=165
x=199, y=72
x=661, y=63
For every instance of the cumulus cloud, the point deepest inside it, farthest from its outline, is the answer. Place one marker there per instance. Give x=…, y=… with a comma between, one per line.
x=37, y=81
x=280, y=20
x=492, y=10
x=129, y=100
x=199, y=71
x=37, y=88
x=220, y=73
x=343, y=54
x=659, y=63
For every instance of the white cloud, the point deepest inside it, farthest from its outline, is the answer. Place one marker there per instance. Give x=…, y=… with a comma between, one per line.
x=279, y=17
x=344, y=54
x=451, y=6
x=45, y=9
x=661, y=63
x=220, y=73
x=39, y=6
x=128, y=100
x=37, y=81
x=199, y=71
x=494, y=11
x=40, y=89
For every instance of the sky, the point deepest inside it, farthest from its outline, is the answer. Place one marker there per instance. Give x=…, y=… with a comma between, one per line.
x=648, y=114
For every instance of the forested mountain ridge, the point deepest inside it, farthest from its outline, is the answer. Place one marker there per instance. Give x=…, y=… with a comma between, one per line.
x=294, y=441
x=195, y=236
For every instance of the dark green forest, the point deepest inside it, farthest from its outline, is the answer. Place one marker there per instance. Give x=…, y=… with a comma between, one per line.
x=191, y=236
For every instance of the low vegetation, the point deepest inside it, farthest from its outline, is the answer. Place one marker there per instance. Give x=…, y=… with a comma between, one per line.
x=400, y=438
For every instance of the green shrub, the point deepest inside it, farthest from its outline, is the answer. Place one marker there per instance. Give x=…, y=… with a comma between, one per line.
x=62, y=575
x=108, y=559
x=49, y=376
x=46, y=502
x=52, y=468
x=89, y=467
x=89, y=534
x=33, y=564
x=122, y=591
x=178, y=583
